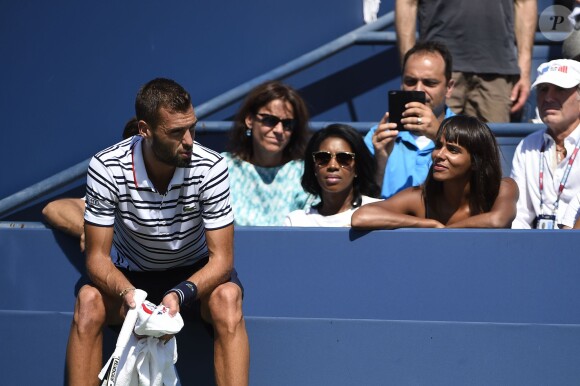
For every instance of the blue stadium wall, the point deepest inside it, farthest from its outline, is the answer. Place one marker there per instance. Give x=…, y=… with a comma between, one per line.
x=70, y=70
x=324, y=307
x=335, y=307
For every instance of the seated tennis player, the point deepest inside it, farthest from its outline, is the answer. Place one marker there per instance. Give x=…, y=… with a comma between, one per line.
x=158, y=218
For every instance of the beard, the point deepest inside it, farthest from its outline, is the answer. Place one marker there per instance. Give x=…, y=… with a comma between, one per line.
x=166, y=155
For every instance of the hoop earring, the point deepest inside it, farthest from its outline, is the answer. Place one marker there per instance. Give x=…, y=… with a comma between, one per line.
x=248, y=132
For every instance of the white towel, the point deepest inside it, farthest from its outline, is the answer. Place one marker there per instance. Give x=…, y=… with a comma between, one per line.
x=150, y=361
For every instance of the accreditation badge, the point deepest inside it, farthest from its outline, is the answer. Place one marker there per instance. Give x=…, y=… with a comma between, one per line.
x=545, y=221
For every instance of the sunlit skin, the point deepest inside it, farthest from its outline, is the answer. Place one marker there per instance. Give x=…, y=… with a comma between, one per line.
x=268, y=143
x=559, y=109
x=451, y=161
x=426, y=72
x=452, y=166
x=336, y=181
x=423, y=71
x=168, y=146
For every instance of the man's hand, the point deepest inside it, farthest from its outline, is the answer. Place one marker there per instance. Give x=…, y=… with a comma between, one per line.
x=383, y=142
x=128, y=298
x=419, y=119
x=171, y=301
x=520, y=94
x=384, y=139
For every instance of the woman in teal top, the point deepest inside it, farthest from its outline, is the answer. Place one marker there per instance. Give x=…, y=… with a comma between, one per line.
x=266, y=147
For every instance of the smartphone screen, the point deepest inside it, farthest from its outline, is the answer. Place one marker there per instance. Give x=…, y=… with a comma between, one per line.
x=397, y=101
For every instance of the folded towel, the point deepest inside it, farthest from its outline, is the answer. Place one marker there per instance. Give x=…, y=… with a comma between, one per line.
x=149, y=361
x=155, y=321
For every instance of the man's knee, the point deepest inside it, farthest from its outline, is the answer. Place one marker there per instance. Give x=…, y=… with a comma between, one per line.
x=225, y=305
x=89, y=309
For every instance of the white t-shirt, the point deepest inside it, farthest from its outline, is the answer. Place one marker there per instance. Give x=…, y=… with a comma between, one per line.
x=572, y=212
x=311, y=218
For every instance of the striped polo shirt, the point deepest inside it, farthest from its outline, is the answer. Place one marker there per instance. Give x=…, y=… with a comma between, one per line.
x=154, y=231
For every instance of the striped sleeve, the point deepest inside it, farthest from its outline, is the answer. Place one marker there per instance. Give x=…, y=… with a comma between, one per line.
x=102, y=194
x=215, y=197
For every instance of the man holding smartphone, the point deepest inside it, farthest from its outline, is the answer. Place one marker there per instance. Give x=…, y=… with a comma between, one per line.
x=404, y=156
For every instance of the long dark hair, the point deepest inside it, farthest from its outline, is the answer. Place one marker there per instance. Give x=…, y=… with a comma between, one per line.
x=365, y=165
x=486, y=173
x=240, y=145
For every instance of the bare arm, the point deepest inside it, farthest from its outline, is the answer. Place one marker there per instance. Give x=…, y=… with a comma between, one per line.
x=67, y=215
x=100, y=267
x=526, y=15
x=405, y=25
x=403, y=210
x=220, y=243
x=502, y=213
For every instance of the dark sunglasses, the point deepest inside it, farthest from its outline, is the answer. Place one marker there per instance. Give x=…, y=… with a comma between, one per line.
x=344, y=158
x=272, y=120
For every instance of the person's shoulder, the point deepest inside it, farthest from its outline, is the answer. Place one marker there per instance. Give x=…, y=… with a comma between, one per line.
x=292, y=168
x=302, y=217
x=201, y=152
x=118, y=149
x=233, y=161
x=295, y=163
x=227, y=156
x=116, y=154
x=510, y=186
x=296, y=214
x=371, y=131
x=537, y=135
x=533, y=140
x=410, y=192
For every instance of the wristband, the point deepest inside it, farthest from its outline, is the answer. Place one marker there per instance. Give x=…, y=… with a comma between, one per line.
x=186, y=291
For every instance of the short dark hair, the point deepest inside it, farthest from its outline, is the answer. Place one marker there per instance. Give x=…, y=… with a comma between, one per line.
x=240, y=145
x=432, y=47
x=365, y=165
x=486, y=173
x=158, y=93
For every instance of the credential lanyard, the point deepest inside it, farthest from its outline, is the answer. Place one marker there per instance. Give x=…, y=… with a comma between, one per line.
x=562, y=182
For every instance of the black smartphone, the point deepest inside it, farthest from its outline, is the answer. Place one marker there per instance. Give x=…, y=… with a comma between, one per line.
x=397, y=101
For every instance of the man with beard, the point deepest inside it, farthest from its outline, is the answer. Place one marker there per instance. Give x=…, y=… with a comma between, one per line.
x=158, y=218
x=543, y=164
x=404, y=156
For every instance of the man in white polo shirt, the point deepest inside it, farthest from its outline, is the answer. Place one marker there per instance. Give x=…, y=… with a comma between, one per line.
x=545, y=165
x=158, y=218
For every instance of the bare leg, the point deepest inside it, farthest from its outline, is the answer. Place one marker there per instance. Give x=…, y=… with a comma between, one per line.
x=231, y=346
x=84, y=351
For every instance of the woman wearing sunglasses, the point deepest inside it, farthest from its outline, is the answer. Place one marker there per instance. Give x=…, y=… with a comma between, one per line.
x=266, y=146
x=339, y=169
x=464, y=188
